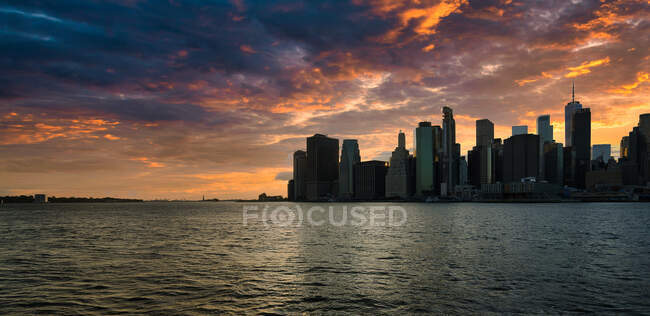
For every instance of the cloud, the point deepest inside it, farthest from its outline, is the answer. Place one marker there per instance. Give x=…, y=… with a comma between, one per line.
x=217, y=95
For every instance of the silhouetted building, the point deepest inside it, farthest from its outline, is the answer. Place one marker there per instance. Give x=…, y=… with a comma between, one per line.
x=322, y=166
x=519, y=130
x=644, y=128
x=625, y=146
x=437, y=157
x=581, y=144
x=636, y=163
x=568, y=156
x=451, y=153
x=299, y=175
x=397, y=178
x=554, y=163
x=462, y=171
x=424, y=183
x=370, y=180
x=290, y=191
x=484, y=132
x=497, y=160
x=602, y=151
x=480, y=165
x=40, y=198
x=569, y=109
x=545, y=132
x=269, y=198
x=350, y=156
x=520, y=157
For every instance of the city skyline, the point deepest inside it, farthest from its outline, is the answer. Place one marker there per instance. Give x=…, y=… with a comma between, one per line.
x=217, y=107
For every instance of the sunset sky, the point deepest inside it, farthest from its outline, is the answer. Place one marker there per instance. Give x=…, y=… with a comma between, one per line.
x=179, y=99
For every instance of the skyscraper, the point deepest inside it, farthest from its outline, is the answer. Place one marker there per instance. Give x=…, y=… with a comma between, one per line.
x=636, y=162
x=581, y=145
x=603, y=151
x=397, y=178
x=370, y=179
x=519, y=130
x=299, y=175
x=437, y=157
x=569, y=109
x=424, y=184
x=349, y=157
x=450, y=152
x=545, y=132
x=553, y=162
x=484, y=139
x=484, y=132
x=520, y=157
x=625, y=145
x=322, y=166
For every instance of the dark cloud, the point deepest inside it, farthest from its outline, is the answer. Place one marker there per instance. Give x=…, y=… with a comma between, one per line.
x=213, y=87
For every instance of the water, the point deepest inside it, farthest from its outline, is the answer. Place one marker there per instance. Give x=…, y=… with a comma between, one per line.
x=198, y=258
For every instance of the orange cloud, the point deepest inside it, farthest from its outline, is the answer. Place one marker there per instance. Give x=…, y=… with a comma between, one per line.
x=424, y=19
x=641, y=77
x=148, y=162
x=23, y=129
x=247, y=49
x=583, y=69
x=111, y=137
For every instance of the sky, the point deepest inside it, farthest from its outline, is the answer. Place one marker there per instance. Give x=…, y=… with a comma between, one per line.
x=180, y=99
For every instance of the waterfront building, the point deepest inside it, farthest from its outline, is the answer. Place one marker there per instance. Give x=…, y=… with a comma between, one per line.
x=322, y=167
x=350, y=156
x=569, y=109
x=520, y=157
x=581, y=145
x=625, y=144
x=484, y=132
x=397, y=178
x=40, y=198
x=424, y=184
x=299, y=175
x=290, y=191
x=545, y=132
x=370, y=180
x=450, y=153
x=553, y=155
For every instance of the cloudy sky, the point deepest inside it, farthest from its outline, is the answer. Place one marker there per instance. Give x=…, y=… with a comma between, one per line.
x=176, y=99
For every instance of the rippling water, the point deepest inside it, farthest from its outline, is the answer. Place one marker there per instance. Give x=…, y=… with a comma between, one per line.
x=198, y=258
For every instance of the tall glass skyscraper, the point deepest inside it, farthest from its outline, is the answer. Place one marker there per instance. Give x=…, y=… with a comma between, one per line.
x=450, y=152
x=545, y=132
x=569, y=109
x=350, y=156
x=581, y=145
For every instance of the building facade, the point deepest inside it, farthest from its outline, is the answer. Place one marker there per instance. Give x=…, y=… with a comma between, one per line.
x=450, y=153
x=397, y=177
x=424, y=176
x=350, y=156
x=581, y=145
x=601, y=151
x=322, y=167
x=299, y=175
x=520, y=157
x=545, y=132
x=370, y=180
x=519, y=130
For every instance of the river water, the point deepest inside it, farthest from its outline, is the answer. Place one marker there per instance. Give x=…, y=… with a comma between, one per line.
x=200, y=258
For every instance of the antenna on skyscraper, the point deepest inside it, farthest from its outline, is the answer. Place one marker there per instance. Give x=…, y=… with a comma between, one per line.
x=573, y=91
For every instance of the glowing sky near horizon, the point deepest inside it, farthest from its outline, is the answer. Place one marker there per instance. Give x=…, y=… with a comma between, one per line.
x=179, y=99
